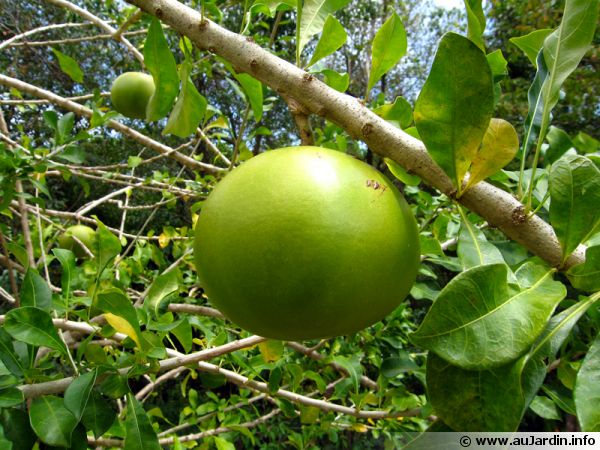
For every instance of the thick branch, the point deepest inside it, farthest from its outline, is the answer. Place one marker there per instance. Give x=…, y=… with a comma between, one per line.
x=499, y=208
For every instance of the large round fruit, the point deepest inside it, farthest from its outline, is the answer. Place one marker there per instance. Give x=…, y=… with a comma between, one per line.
x=85, y=234
x=305, y=242
x=130, y=94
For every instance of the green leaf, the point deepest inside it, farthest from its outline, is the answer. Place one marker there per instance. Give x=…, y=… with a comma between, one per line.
x=545, y=408
x=586, y=143
x=69, y=66
x=478, y=322
x=395, y=365
x=33, y=326
x=559, y=143
x=11, y=397
x=313, y=16
x=565, y=47
x=474, y=249
x=106, y=247
x=498, y=148
x=335, y=80
x=189, y=109
x=51, y=421
x=475, y=22
x=271, y=350
x=35, y=291
x=160, y=62
x=574, y=184
x=64, y=126
x=332, y=38
x=73, y=153
x=139, y=434
x=159, y=292
x=399, y=172
x=254, y=93
x=587, y=389
x=120, y=313
x=455, y=106
x=67, y=262
x=223, y=444
x=352, y=366
x=399, y=112
x=78, y=393
x=531, y=43
x=98, y=416
x=183, y=333
x=586, y=276
x=17, y=428
x=475, y=401
x=8, y=356
x=389, y=45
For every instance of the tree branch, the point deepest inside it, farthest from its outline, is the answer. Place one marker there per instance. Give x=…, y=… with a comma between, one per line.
x=499, y=208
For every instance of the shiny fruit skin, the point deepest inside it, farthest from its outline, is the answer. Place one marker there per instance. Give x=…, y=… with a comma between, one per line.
x=305, y=242
x=131, y=92
x=85, y=234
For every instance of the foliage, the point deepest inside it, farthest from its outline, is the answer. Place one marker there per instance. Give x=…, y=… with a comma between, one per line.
x=122, y=347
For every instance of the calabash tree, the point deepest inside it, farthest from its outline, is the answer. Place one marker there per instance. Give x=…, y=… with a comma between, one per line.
x=123, y=348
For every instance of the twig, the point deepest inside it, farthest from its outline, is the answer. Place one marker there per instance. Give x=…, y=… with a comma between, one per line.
x=17, y=37
x=67, y=41
x=9, y=266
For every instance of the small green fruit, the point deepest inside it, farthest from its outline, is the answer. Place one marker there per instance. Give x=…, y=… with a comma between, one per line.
x=304, y=243
x=130, y=94
x=85, y=234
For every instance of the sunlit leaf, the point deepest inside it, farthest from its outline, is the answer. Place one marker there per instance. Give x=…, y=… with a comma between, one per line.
x=69, y=66
x=119, y=313
x=479, y=322
x=474, y=249
x=313, y=16
x=455, y=106
x=498, y=148
x=160, y=290
x=399, y=172
x=160, y=62
x=35, y=291
x=271, y=350
x=475, y=22
x=399, y=112
x=531, y=43
x=189, y=108
x=389, y=45
x=332, y=38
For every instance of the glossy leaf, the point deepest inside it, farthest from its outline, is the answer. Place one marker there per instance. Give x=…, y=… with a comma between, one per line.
x=161, y=64
x=559, y=143
x=389, y=45
x=120, y=313
x=332, y=38
x=51, y=421
x=474, y=249
x=69, y=66
x=587, y=389
x=399, y=112
x=189, y=109
x=98, y=416
x=478, y=322
x=498, y=148
x=160, y=290
x=8, y=355
x=139, y=434
x=575, y=201
x=565, y=47
x=545, y=408
x=313, y=16
x=455, y=106
x=35, y=291
x=78, y=394
x=475, y=22
x=67, y=262
x=33, y=326
x=531, y=43
x=586, y=276
x=254, y=93
x=11, y=397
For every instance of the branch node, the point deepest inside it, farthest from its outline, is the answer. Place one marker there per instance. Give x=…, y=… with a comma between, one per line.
x=307, y=77
x=203, y=24
x=254, y=64
x=367, y=129
x=518, y=215
x=158, y=13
